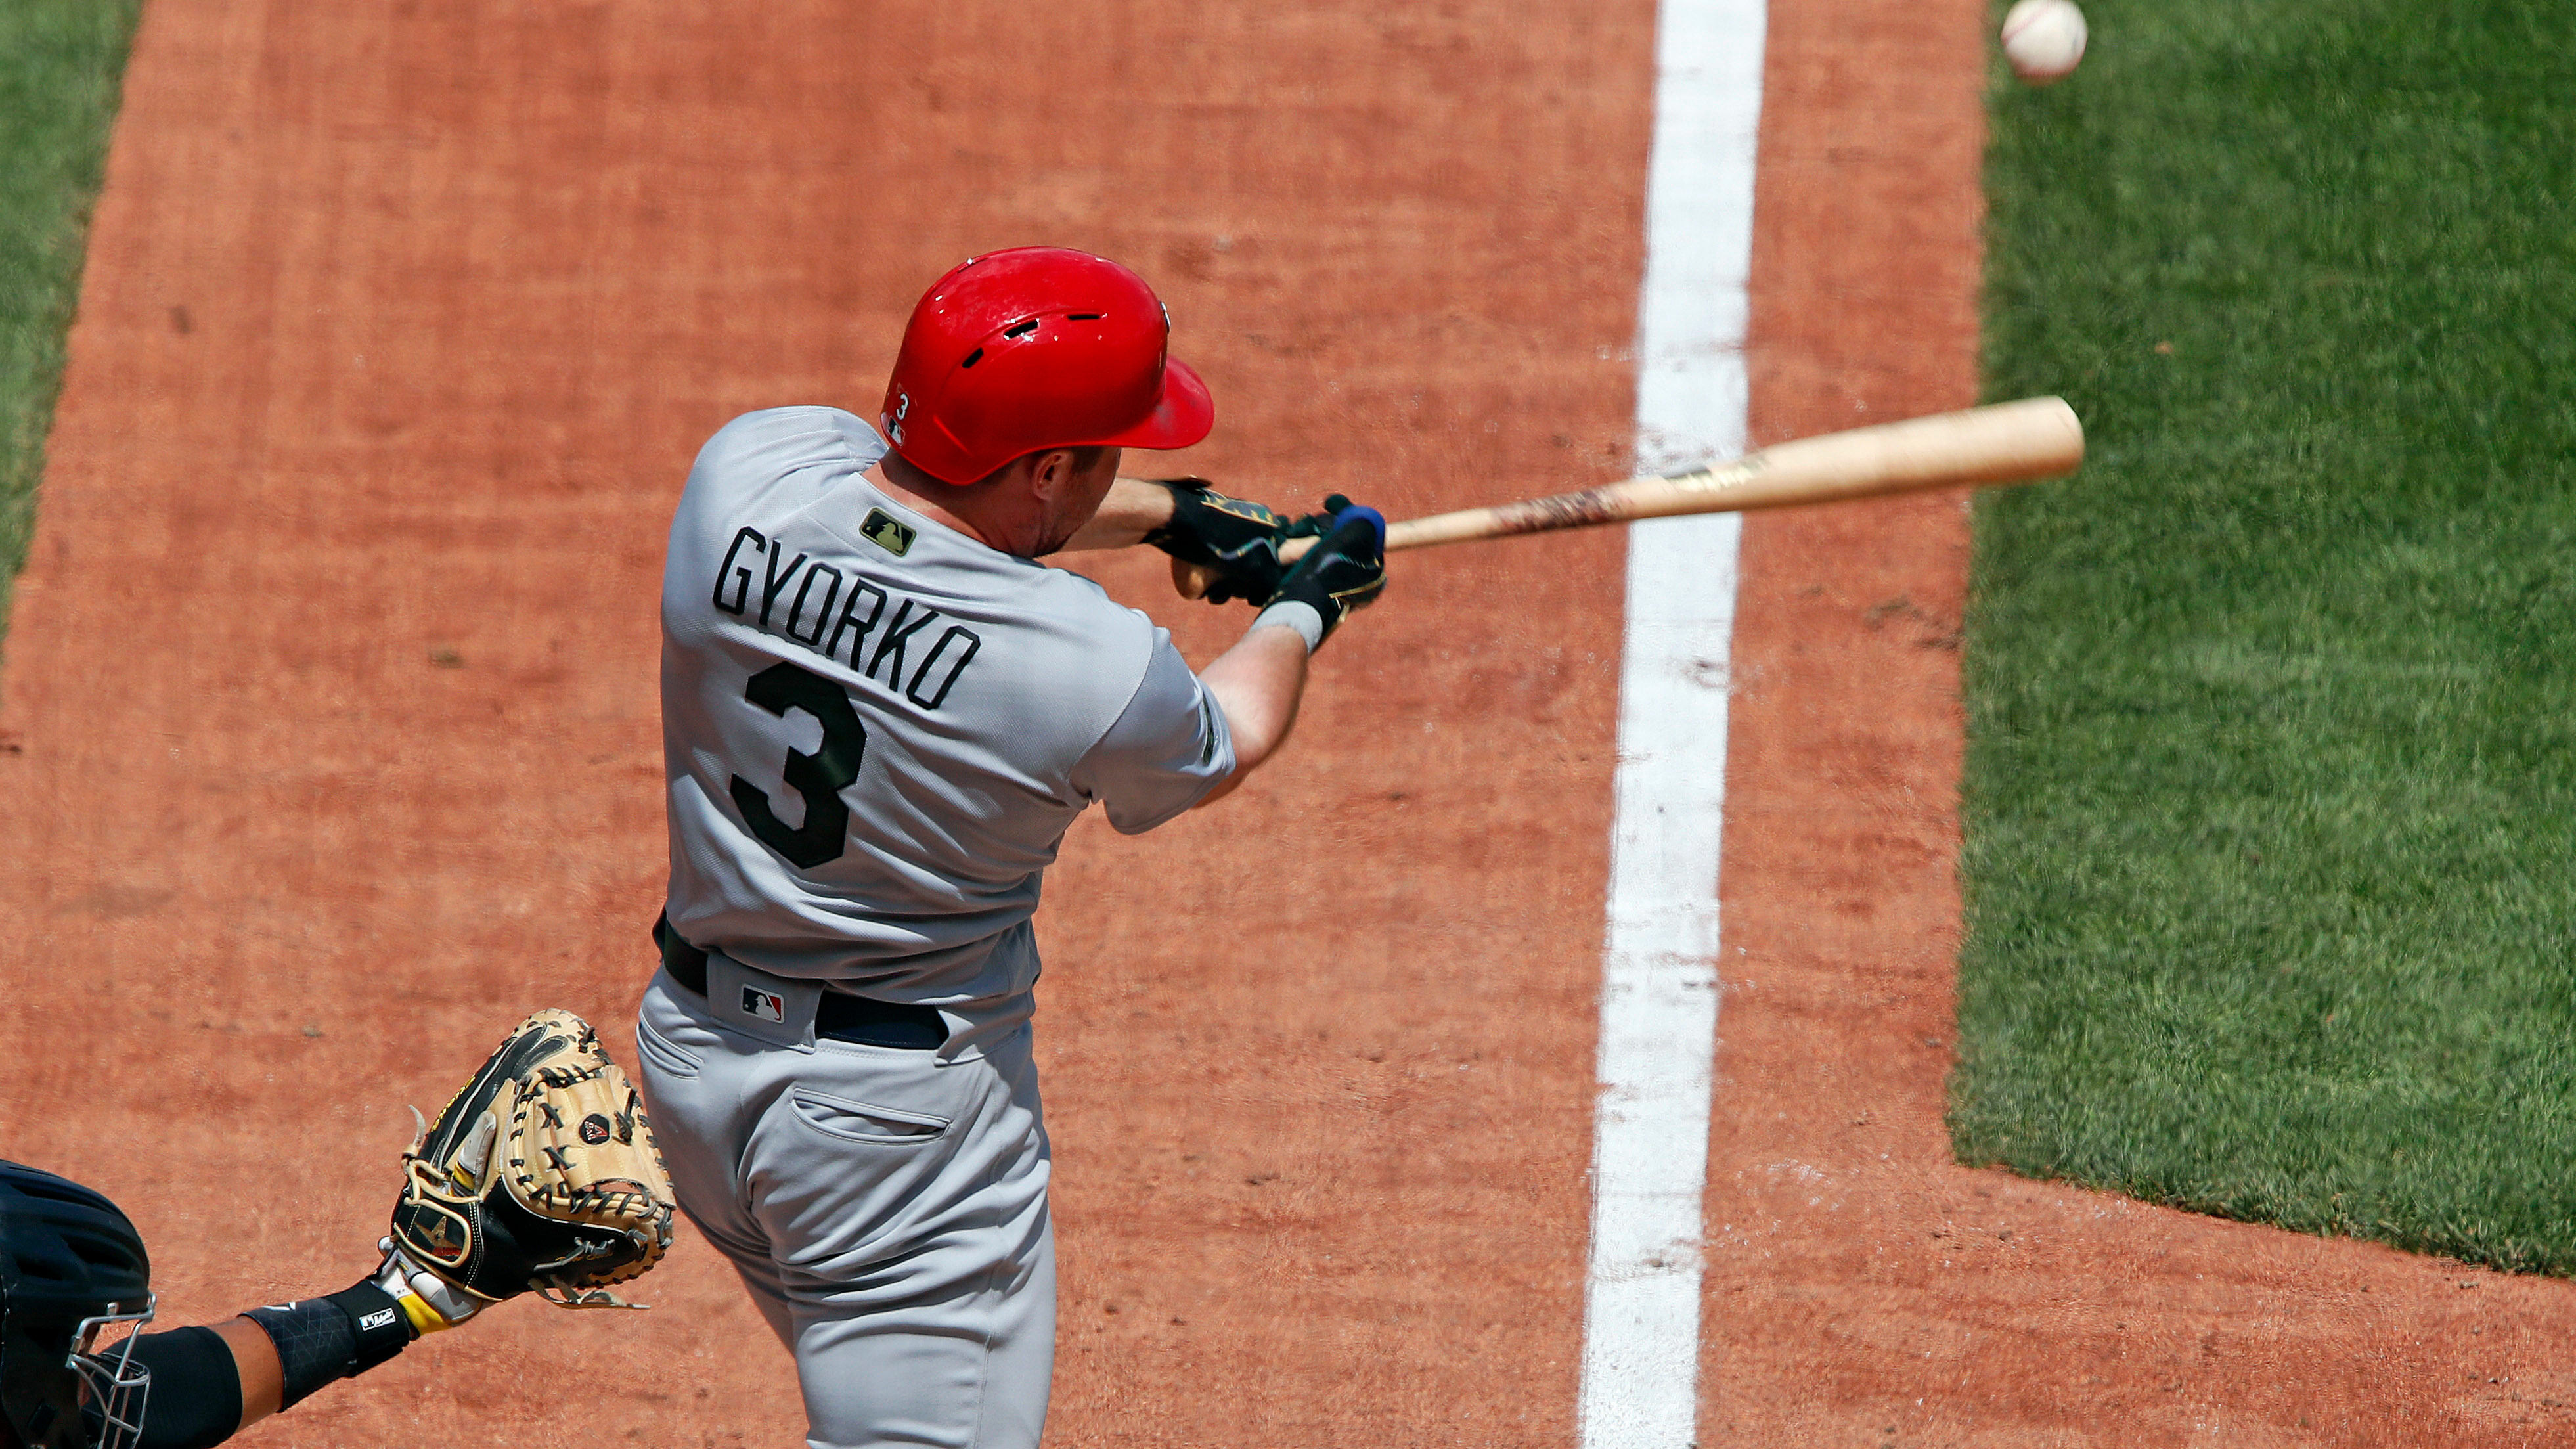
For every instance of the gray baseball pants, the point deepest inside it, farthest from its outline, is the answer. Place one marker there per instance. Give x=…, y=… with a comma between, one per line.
x=886, y=1207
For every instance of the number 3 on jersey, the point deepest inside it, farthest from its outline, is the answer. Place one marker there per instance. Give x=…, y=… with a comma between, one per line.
x=819, y=777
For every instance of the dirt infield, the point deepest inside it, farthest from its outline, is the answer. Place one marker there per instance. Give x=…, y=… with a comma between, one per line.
x=328, y=744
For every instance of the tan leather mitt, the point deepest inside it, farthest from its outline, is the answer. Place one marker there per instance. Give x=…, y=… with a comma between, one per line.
x=541, y=1176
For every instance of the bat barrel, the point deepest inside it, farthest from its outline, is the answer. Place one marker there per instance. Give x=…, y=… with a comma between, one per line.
x=2015, y=442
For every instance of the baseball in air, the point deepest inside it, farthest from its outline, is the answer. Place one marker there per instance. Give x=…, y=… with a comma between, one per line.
x=2043, y=39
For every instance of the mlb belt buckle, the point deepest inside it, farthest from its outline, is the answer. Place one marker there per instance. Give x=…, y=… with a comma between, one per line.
x=765, y=1007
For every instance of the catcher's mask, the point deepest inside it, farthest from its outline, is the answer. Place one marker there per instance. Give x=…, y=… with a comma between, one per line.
x=71, y=1267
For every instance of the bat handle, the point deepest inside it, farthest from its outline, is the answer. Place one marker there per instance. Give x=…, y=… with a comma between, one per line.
x=1192, y=581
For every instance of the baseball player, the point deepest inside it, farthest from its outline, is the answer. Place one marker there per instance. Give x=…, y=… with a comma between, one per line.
x=880, y=715
x=487, y=1211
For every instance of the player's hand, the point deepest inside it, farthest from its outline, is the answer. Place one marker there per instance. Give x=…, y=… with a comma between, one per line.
x=1238, y=540
x=1345, y=572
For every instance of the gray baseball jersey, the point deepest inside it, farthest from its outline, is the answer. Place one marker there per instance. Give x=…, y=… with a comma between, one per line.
x=876, y=730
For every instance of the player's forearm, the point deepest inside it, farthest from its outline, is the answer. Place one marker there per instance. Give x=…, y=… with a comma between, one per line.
x=1133, y=509
x=263, y=1375
x=1257, y=683
x=210, y=1383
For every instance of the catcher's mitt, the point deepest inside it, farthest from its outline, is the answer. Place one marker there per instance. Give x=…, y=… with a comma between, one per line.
x=542, y=1175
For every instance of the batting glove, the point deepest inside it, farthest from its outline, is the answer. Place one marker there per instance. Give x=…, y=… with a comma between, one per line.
x=1343, y=574
x=1238, y=539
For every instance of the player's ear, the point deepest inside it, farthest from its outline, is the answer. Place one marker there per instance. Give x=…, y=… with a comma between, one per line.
x=1053, y=471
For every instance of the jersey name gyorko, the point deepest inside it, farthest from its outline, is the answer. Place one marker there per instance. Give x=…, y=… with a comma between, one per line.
x=876, y=730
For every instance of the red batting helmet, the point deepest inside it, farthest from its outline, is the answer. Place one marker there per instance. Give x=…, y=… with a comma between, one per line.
x=1032, y=348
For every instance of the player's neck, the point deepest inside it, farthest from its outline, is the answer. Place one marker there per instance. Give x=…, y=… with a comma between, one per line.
x=1000, y=512
x=940, y=502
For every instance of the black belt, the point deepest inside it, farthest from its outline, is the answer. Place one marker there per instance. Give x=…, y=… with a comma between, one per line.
x=838, y=1016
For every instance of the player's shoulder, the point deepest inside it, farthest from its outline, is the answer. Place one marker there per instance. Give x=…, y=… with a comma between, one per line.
x=787, y=438
x=765, y=465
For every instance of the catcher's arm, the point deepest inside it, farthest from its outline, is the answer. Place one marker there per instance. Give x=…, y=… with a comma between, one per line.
x=208, y=1383
x=257, y=1365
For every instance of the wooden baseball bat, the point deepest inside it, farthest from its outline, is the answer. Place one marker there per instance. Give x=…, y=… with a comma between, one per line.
x=2014, y=442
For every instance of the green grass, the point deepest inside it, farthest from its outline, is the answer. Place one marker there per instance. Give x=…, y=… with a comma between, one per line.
x=60, y=66
x=2271, y=784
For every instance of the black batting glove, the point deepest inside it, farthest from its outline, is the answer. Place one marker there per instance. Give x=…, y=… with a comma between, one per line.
x=1343, y=574
x=1238, y=539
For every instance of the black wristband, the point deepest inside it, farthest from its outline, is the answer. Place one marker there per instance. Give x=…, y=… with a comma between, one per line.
x=382, y=1329
x=323, y=1340
x=196, y=1398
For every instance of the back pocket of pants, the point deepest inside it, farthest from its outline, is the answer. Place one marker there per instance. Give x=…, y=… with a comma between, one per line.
x=864, y=1122
x=658, y=1052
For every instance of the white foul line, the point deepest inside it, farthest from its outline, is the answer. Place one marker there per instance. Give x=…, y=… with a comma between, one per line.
x=1640, y=1385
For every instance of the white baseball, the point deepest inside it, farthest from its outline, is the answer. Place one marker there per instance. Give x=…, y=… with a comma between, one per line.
x=2043, y=39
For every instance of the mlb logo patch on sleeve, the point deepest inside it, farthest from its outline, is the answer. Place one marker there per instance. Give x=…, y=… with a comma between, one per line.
x=766, y=1005
x=887, y=532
